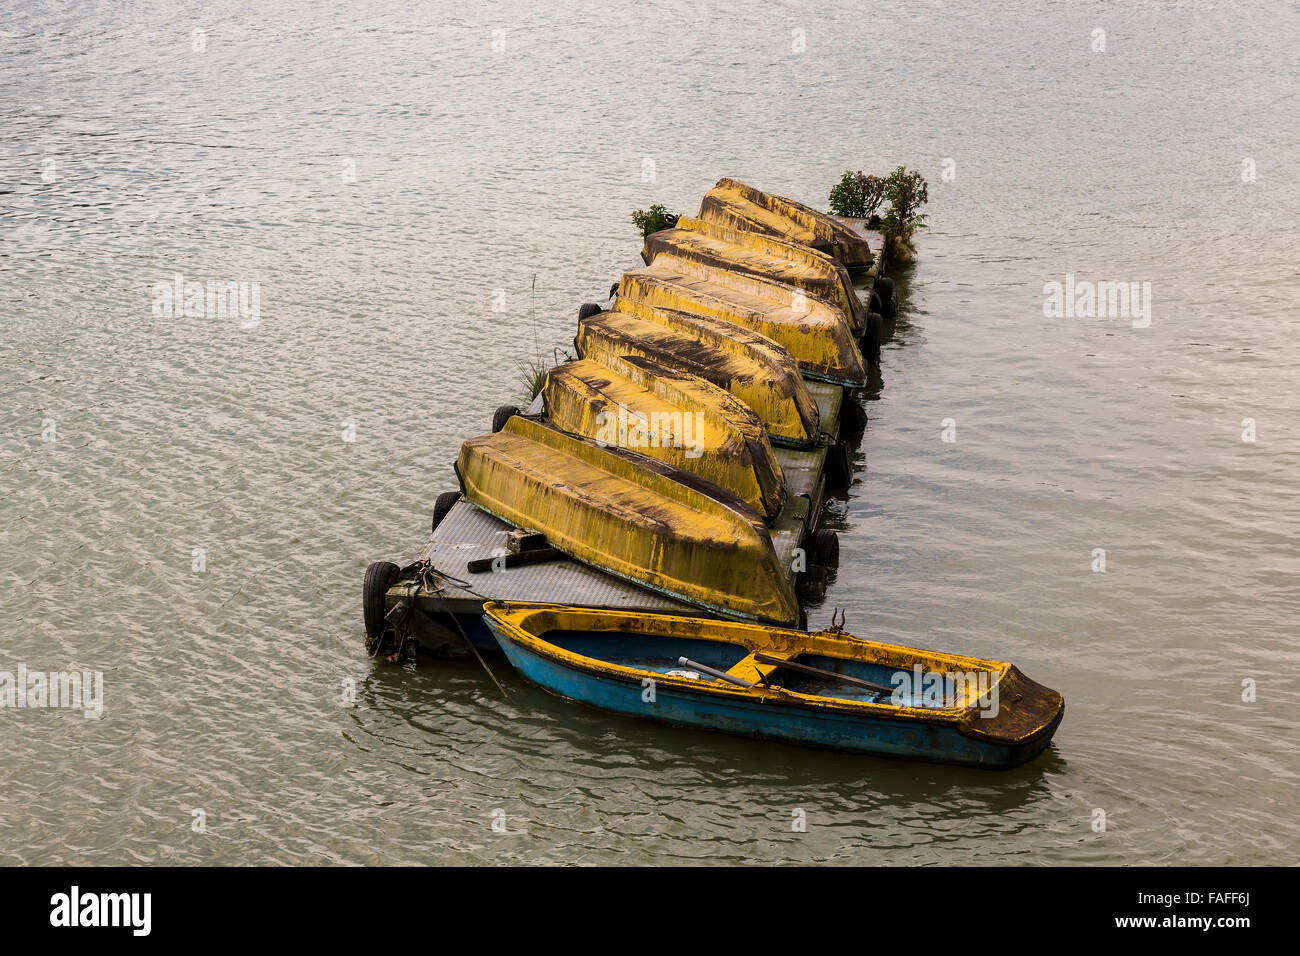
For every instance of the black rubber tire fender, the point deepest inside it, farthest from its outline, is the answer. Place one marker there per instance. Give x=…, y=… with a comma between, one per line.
x=441, y=505
x=502, y=415
x=884, y=287
x=380, y=576
x=853, y=420
x=839, y=468
x=588, y=309
x=823, y=548
x=873, y=335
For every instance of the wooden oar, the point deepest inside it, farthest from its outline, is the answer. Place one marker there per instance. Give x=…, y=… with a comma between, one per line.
x=713, y=672
x=818, y=672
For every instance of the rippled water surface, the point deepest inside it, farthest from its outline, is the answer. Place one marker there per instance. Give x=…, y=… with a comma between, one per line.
x=383, y=173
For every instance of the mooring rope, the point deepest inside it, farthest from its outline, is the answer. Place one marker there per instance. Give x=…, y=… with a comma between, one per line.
x=425, y=574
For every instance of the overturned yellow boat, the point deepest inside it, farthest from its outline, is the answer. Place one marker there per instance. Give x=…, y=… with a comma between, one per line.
x=737, y=206
x=755, y=254
x=632, y=516
x=751, y=367
x=636, y=403
x=815, y=332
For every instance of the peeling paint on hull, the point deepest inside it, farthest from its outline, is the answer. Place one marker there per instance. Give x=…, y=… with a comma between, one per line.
x=632, y=516
x=758, y=255
x=608, y=658
x=751, y=367
x=815, y=332
x=738, y=206
x=711, y=433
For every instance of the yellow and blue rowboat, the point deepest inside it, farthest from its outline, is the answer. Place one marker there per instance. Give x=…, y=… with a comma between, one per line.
x=825, y=689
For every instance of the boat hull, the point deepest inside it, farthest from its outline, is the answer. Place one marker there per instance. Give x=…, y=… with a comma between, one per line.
x=681, y=419
x=750, y=719
x=738, y=206
x=816, y=333
x=755, y=254
x=632, y=516
x=1030, y=717
x=751, y=367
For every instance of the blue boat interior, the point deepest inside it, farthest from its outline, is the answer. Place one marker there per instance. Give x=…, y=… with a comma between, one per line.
x=657, y=653
x=827, y=687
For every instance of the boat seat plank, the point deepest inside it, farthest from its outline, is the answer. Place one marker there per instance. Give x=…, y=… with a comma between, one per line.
x=748, y=668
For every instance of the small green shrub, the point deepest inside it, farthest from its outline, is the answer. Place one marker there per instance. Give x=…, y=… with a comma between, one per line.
x=653, y=219
x=857, y=195
x=907, y=193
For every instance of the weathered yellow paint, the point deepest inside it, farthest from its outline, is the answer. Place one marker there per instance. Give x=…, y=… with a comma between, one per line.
x=528, y=623
x=737, y=206
x=815, y=332
x=630, y=515
x=729, y=206
x=750, y=366
x=636, y=403
x=756, y=254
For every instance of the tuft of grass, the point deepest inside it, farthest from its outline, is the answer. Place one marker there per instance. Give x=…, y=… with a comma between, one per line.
x=532, y=376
